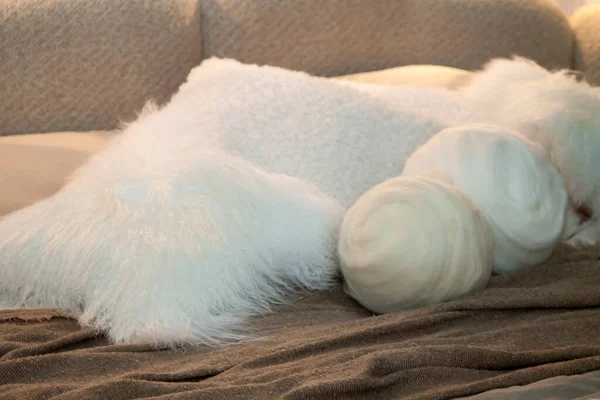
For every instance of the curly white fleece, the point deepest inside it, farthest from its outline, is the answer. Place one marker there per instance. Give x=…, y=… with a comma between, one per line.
x=217, y=205
x=209, y=209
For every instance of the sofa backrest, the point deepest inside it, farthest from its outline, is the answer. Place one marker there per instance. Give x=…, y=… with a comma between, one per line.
x=336, y=37
x=90, y=65
x=87, y=64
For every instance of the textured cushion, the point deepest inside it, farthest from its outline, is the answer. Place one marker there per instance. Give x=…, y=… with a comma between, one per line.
x=336, y=37
x=422, y=75
x=87, y=64
x=33, y=167
x=586, y=24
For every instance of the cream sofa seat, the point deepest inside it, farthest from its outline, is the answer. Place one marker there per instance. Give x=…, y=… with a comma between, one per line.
x=35, y=166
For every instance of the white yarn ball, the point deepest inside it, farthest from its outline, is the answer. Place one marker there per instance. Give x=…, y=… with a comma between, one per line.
x=413, y=241
x=511, y=180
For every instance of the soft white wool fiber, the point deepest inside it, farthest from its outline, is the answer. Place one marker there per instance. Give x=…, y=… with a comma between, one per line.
x=413, y=241
x=210, y=209
x=340, y=138
x=558, y=111
x=510, y=179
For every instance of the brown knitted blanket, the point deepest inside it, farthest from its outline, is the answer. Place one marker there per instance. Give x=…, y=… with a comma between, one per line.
x=524, y=327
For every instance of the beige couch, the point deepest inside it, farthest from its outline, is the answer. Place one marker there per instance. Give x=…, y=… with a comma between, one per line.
x=71, y=70
x=87, y=65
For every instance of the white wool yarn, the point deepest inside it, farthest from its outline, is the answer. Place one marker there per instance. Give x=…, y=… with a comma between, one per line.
x=513, y=182
x=413, y=241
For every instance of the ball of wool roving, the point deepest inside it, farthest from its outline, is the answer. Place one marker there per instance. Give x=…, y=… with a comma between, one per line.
x=511, y=180
x=413, y=241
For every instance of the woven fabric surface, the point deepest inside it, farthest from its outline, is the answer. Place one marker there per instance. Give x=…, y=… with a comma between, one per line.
x=87, y=64
x=527, y=326
x=338, y=37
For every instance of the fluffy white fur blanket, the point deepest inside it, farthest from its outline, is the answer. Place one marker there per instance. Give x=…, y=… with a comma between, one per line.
x=209, y=209
x=215, y=206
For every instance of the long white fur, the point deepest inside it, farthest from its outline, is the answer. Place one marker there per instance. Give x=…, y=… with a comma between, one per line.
x=210, y=209
x=215, y=206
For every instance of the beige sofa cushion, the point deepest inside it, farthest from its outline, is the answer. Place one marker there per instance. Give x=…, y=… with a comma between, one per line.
x=422, y=75
x=35, y=166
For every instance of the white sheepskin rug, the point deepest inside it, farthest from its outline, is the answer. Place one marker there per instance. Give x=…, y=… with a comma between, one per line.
x=223, y=202
x=210, y=209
